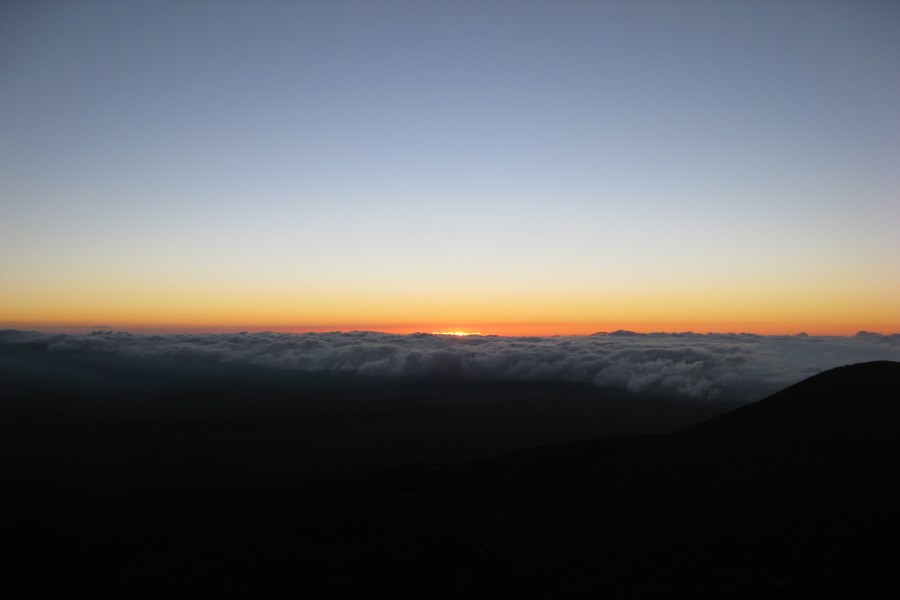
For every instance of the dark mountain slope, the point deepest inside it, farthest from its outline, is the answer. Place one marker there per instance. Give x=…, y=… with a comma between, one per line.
x=856, y=403
x=792, y=496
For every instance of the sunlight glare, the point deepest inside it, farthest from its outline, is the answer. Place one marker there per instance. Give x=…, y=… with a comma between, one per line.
x=456, y=333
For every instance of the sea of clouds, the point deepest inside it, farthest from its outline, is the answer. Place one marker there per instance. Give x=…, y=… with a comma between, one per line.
x=735, y=367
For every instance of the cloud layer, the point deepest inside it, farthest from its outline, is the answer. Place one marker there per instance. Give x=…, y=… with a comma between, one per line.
x=739, y=367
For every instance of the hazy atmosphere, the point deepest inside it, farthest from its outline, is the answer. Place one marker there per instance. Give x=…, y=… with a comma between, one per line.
x=513, y=168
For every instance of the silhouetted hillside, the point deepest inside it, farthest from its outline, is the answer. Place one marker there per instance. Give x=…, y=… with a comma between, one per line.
x=787, y=497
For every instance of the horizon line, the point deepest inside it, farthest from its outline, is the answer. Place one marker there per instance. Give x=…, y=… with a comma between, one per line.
x=169, y=329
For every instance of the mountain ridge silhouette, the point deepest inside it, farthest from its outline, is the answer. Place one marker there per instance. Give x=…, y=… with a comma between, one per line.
x=785, y=496
x=790, y=496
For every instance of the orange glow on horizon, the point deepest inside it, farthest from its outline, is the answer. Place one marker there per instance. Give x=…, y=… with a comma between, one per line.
x=490, y=308
x=481, y=329
x=457, y=333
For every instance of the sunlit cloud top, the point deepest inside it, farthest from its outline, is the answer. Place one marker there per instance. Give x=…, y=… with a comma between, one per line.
x=713, y=367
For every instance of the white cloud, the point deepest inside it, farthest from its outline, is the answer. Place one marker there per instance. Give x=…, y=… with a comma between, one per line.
x=707, y=367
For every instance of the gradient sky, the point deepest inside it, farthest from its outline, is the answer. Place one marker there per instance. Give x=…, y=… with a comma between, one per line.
x=509, y=167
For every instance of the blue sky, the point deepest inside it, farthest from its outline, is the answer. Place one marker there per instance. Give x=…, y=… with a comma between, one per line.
x=315, y=151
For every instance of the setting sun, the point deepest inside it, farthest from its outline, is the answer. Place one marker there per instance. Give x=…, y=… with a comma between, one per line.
x=456, y=333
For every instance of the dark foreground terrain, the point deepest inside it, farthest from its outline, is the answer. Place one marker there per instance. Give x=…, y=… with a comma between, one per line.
x=119, y=482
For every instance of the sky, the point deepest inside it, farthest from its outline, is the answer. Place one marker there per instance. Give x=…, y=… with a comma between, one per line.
x=516, y=168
